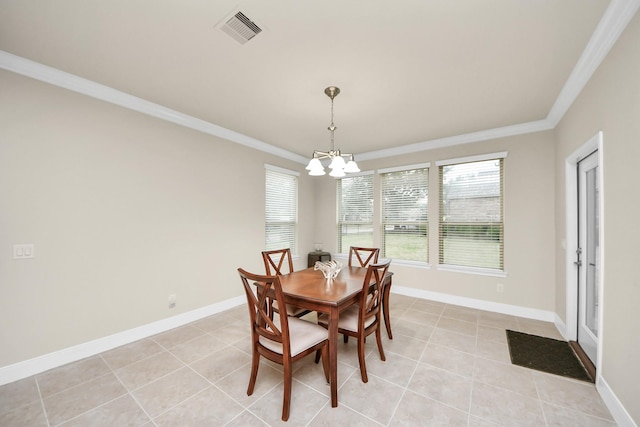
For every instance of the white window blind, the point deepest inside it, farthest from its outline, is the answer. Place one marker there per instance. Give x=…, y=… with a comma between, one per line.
x=355, y=211
x=281, y=209
x=405, y=226
x=471, y=213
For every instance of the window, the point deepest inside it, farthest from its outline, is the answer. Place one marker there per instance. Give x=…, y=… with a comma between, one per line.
x=355, y=211
x=281, y=209
x=405, y=226
x=471, y=212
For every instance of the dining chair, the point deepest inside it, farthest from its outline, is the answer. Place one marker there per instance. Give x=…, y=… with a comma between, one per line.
x=278, y=262
x=282, y=339
x=363, y=319
x=364, y=256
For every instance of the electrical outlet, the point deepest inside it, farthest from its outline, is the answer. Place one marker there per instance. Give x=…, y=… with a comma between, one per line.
x=172, y=300
x=500, y=288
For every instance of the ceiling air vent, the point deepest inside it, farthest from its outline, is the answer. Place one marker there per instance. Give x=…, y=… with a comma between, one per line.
x=241, y=28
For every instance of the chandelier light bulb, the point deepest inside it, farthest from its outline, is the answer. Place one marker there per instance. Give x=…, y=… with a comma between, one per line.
x=337, y=163
x=337, y=173
x=314, y=164
x=351, y=167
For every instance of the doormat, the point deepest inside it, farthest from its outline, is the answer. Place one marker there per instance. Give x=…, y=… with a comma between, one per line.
x=546, y=355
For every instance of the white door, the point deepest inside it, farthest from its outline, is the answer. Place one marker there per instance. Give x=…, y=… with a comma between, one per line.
x=588, y=255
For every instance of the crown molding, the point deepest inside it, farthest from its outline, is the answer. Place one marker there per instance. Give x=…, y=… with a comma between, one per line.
x=467, y=138
x=612, y=24
x=44, y=73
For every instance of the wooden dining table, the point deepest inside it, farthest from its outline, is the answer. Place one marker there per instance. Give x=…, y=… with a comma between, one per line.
x=309, y=289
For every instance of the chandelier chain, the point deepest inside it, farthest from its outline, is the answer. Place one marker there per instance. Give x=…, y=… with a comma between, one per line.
x=332, y=128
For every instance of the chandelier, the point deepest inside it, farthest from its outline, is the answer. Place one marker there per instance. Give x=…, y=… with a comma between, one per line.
x=338, y=165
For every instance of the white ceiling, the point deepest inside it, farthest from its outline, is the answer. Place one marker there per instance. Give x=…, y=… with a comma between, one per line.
x=411, y=72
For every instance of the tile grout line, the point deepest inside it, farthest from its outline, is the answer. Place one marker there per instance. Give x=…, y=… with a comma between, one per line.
x=44, y=409
x=404, y=391
x=473, y=371
x=129, y=392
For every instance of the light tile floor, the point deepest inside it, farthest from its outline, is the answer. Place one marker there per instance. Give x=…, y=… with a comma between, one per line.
x=446, y=365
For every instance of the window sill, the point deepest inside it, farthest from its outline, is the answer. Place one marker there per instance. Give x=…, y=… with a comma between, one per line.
x=408, y=263
x=403, y=262
x=472, y=270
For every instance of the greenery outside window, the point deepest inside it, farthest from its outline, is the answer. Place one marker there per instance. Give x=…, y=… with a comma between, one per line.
x=471, y=223
x=281, y=208
x=404, y=200
x=355, y=211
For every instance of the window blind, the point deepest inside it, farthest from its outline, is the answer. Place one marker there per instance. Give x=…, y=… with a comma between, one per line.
x=281, y=209
x=471, y=214
x=355, y=211
x=405, y=226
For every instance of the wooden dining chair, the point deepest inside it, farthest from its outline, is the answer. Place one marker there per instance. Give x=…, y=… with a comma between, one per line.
x=276, y=263
x=281, y=339
x=362, y=257
x=364, y=319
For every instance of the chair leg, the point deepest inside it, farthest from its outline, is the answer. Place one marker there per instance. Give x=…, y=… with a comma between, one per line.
x=286, y=399
x=379, y=340
x=385, y=310
x=318, y=356
x=255, y=363
x=325, y=362
x=363, y=366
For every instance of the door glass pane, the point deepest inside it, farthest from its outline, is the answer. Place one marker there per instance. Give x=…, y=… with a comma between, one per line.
x=592, y=252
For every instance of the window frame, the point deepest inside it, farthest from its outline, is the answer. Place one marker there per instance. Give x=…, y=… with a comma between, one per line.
x=278, y=172
x=482, y=270
x=339, y=213
x=418, y=223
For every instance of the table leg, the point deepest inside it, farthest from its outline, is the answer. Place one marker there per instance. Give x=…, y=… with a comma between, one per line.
x=333, y=355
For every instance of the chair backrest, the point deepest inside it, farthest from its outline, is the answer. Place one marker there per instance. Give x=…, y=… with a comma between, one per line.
x=259, y=289
x=274, y=261
x=364, y=256
x=370, y=305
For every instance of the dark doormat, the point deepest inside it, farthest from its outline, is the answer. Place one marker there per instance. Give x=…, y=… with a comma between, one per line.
x=546, y=355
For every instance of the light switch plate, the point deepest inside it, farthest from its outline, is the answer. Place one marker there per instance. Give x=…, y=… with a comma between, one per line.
x=24, y=251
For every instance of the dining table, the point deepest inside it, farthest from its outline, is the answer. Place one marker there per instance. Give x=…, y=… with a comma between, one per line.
x=310, y=290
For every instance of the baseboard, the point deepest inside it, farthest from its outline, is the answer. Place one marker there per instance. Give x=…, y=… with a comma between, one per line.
x=619, y=413
x=562, y=327
x=496, y=307
x=45, y=362
x=48, y=361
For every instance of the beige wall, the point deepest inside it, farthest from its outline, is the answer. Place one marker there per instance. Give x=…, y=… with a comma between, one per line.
x=611, y=103
x=124, y=209
x=529, y=223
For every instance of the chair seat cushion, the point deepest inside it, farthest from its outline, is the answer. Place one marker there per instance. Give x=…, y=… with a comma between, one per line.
x=348, y=319
x=302, y=335
x=292, y=310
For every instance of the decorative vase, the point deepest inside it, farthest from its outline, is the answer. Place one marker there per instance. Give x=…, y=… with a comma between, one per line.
x=330, y=269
